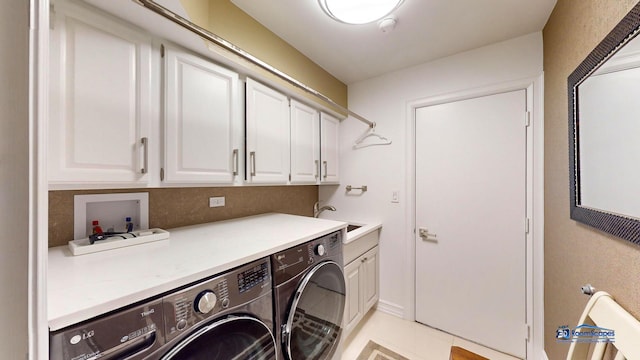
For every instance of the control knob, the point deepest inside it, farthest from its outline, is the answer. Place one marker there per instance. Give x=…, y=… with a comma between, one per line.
x=181, y=324
x=205, y=301
x=320, y=250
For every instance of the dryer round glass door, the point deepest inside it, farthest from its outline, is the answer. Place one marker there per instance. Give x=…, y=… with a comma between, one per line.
x=314, y=321
x=238, y=338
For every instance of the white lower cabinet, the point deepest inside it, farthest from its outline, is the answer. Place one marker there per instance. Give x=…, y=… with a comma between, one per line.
x=202, y=121
x=362, y=279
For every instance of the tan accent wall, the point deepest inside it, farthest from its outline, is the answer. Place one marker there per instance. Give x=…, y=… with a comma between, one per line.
x=234, y=25
x=174, y=207
x=17, y=276
x=577, y=254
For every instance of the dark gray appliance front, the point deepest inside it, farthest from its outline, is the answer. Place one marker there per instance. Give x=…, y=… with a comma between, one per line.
x=228, y=316
x=309, y=298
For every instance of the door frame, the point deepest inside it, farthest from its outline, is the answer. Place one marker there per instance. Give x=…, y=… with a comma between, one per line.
x=39, y=16
x=535, y=200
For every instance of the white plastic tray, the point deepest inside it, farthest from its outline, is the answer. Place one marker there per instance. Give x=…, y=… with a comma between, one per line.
x=83, y=246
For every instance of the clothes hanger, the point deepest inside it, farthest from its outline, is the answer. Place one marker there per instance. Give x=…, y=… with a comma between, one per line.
x=371, y=133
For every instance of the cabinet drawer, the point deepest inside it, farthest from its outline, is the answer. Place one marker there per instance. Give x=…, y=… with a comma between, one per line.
x=358, y=247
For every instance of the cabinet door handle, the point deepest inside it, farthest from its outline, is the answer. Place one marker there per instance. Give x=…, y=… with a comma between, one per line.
x=235, y=162
x=317, y=171
x=252, y=160
x=145, y=162
x=325, y=170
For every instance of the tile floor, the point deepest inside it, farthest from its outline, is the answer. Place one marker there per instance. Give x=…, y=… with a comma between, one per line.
x=409, y=339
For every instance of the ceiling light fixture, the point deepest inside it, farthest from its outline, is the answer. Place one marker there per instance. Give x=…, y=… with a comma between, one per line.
x=359, y=11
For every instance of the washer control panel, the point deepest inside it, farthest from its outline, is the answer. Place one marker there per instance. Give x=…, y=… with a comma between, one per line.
x=138, y=328
x=215, y=296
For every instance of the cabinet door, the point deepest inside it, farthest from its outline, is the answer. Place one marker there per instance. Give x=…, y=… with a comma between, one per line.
x=100, y=101
x=353, y=308
x=267, y=135
x=305, y=144
x=370, y=279
x=202, y=123
x=329, y=148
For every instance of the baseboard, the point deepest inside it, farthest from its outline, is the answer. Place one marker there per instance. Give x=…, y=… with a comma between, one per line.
x=390, y=308
x=544, y=355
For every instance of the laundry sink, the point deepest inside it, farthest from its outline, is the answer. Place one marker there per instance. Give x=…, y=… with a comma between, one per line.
x=357, y=229
x=360, y=239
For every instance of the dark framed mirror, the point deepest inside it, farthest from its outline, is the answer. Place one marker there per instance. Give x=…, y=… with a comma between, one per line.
x=604, y=133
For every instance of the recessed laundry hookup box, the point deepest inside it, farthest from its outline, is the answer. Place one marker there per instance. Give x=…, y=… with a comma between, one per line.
x=110, y=210
x=85, y=246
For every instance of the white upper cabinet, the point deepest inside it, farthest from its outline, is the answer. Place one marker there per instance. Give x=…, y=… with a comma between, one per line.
x=202, y=121
x=121, y=116
x=305, y=144
x=99, y=101
x=267, y=147
x=329, y=149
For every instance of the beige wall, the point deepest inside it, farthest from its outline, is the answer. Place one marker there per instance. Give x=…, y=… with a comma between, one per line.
x=226, y=20
x=576, y=254
x=14, y=179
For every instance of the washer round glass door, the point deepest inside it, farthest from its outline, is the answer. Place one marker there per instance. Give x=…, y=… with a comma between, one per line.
x=237, y=338
x=314, y=322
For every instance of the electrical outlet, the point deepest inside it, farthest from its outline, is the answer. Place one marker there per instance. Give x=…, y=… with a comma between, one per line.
x=216, y=201
x=395, y=196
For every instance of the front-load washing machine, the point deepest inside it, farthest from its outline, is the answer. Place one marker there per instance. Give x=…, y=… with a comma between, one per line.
x=228, y=316
x=309, y=298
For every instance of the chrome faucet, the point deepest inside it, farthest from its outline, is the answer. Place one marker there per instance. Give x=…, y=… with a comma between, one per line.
x=317, y=209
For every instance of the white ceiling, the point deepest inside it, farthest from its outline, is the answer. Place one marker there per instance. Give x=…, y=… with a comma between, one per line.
x=426, y=30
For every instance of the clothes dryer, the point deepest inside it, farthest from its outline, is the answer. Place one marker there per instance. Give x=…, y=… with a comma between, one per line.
x=309, y=298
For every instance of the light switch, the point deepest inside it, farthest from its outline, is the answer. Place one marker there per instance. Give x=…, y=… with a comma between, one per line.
x=395, y=196
x=216, y=201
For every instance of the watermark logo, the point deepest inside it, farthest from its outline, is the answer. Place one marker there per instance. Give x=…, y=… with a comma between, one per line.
x=585, y=333
x=563, y=333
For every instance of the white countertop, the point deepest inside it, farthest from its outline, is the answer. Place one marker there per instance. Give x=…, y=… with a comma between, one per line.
x=364, y=229
x=81, y=287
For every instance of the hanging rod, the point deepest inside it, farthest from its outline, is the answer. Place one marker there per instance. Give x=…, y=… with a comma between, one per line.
x=206, y=34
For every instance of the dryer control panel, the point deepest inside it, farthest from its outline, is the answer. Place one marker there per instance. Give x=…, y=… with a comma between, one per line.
x=289, y=263
x=215, y=296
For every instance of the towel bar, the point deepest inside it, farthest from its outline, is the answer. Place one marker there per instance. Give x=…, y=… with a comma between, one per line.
x=363, y=188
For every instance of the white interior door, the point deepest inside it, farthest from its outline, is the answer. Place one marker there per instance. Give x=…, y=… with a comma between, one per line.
x=471, y=204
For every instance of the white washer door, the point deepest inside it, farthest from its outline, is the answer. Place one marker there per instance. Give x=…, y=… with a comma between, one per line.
x=314, y=322
x=232, y=338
